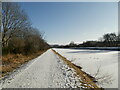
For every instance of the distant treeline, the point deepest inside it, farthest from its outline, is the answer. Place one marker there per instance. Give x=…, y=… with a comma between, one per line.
x=18, y=35
x=107, y=40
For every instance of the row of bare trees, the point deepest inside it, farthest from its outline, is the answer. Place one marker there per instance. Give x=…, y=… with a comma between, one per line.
x=111, y=39
x=18, y=35
x=107, y=40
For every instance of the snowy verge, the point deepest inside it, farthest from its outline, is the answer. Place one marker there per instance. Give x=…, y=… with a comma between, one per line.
x=86, y=79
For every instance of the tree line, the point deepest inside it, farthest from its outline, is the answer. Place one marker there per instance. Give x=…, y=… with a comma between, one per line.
x=18, y=35
x=107, y=40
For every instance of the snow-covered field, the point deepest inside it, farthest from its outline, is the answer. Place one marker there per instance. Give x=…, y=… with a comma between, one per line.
x=102, y=64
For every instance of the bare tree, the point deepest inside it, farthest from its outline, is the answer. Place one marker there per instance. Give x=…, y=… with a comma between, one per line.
x=18, y=36
x=110, y=39
x=13, y=20
x=72, y=43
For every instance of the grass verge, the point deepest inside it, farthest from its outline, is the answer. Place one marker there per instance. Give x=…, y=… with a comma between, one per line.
x=12, y=61
x=87, y=81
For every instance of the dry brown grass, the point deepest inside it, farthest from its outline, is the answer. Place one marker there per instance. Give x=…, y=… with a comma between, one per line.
x=86, y=80
x=13, y=61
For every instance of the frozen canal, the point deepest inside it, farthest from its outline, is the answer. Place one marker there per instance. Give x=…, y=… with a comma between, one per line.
x=102, y=64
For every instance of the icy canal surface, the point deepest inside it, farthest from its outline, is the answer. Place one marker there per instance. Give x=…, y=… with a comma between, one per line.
x=102, y=64
x=46, y=71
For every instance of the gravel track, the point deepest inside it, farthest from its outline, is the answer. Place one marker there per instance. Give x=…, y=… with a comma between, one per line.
x=46, y=71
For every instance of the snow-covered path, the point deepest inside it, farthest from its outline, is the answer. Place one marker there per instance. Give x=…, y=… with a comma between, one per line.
x=46, y=71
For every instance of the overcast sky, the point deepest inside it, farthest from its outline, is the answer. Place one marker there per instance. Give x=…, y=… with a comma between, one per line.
x=64, y=22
